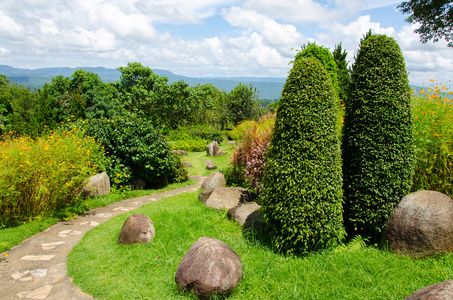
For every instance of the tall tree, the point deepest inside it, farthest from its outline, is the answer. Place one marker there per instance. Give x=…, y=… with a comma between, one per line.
x=344, y=78
x=435, y=17
x=242, y=103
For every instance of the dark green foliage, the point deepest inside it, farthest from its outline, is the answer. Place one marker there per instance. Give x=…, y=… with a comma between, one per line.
x=343, y=71
x=377, y=137
x=301, y=194
x=326, y=58
x=435, y=17
x=137, y=145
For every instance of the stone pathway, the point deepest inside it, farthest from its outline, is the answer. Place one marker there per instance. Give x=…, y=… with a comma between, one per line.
x=36, y=269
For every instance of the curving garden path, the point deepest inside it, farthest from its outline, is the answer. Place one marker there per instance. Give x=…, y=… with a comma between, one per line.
x=36, y=269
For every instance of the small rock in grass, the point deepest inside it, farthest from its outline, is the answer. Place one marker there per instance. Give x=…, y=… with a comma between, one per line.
x=137, y=228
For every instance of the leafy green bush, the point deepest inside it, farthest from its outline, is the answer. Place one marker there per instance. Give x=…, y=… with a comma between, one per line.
x=377, y=137
x=301, y=195
x=326, y=58
x=39, y=176
x=433, y=139
x=136, y=145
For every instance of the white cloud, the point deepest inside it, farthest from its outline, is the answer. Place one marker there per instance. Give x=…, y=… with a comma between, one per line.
x=305, y=11
x=3, y=51
x=9, y=28
x=281, y=37
x=423, y=61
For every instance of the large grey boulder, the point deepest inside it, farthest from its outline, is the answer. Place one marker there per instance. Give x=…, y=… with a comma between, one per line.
x=97, y=185
x=227, y=197
x=243, y=211
x=213, y=149
x=421, y=224
x=438, y=291
x=214, y=180
x=137, y=228
x=205, y=194
x=210, y=267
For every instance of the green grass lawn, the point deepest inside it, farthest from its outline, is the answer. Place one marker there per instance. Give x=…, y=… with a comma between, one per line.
x=198, y=158
x=10, y=237
x=106, y=270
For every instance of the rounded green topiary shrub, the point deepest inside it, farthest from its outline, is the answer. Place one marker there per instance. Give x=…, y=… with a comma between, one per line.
x=301, y=194
x=326, y=58
x=377, y=137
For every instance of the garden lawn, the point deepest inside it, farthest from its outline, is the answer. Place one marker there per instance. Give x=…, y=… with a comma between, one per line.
x=106, y=270
x=198, y=158
x=10, y=237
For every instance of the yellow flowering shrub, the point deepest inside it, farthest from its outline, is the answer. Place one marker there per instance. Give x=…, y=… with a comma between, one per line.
x=433, y=136
x=41, y=175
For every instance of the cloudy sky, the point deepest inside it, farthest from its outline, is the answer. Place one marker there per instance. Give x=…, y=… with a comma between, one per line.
x=204, y=37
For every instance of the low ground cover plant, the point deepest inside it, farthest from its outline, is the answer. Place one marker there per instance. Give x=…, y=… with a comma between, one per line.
x=38, y=176
x=433, y=138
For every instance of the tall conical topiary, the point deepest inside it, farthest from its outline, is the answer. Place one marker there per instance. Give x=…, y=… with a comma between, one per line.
x=326, y=58
x=301, y=195
x=377, y=137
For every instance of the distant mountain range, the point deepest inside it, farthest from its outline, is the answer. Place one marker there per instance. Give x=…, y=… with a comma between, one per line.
x=268, y=88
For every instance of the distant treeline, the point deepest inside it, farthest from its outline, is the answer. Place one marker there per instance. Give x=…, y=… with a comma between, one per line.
x=139, y=94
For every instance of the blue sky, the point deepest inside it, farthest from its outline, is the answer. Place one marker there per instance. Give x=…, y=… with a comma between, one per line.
x=202, y=38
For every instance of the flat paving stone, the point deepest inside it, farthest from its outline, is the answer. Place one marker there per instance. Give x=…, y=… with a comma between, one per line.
x=40, y=293
x=38, y=257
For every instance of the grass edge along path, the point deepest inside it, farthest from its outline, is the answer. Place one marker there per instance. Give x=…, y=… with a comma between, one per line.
x=10, y=237
x=106, y=270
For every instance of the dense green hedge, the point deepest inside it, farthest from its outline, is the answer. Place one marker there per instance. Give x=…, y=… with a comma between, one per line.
x=377, y=137
x=301, y=194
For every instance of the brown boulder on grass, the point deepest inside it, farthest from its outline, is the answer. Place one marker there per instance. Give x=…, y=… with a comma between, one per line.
x=137, y=228
x=213, y=149
x=421, y=224
x=438, y=291
x=97, y=185
x=228, y=197
x=210, y=267
x=214, y=180
x=242, y=211
x=211, y=167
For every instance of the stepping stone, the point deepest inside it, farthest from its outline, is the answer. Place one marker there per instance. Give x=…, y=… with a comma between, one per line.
x=37, y=257
x=40, y=293
x=94, y=223
x=39, y=273
x=26, y=279
x=104, y=215
x=84, y=223
x=18, y=275
x=67, y=233
x=50, y=246
x=123, y=208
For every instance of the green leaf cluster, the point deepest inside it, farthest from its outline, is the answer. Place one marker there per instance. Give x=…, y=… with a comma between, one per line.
x=301, y=193
x=327, y=60
x=377, y=137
